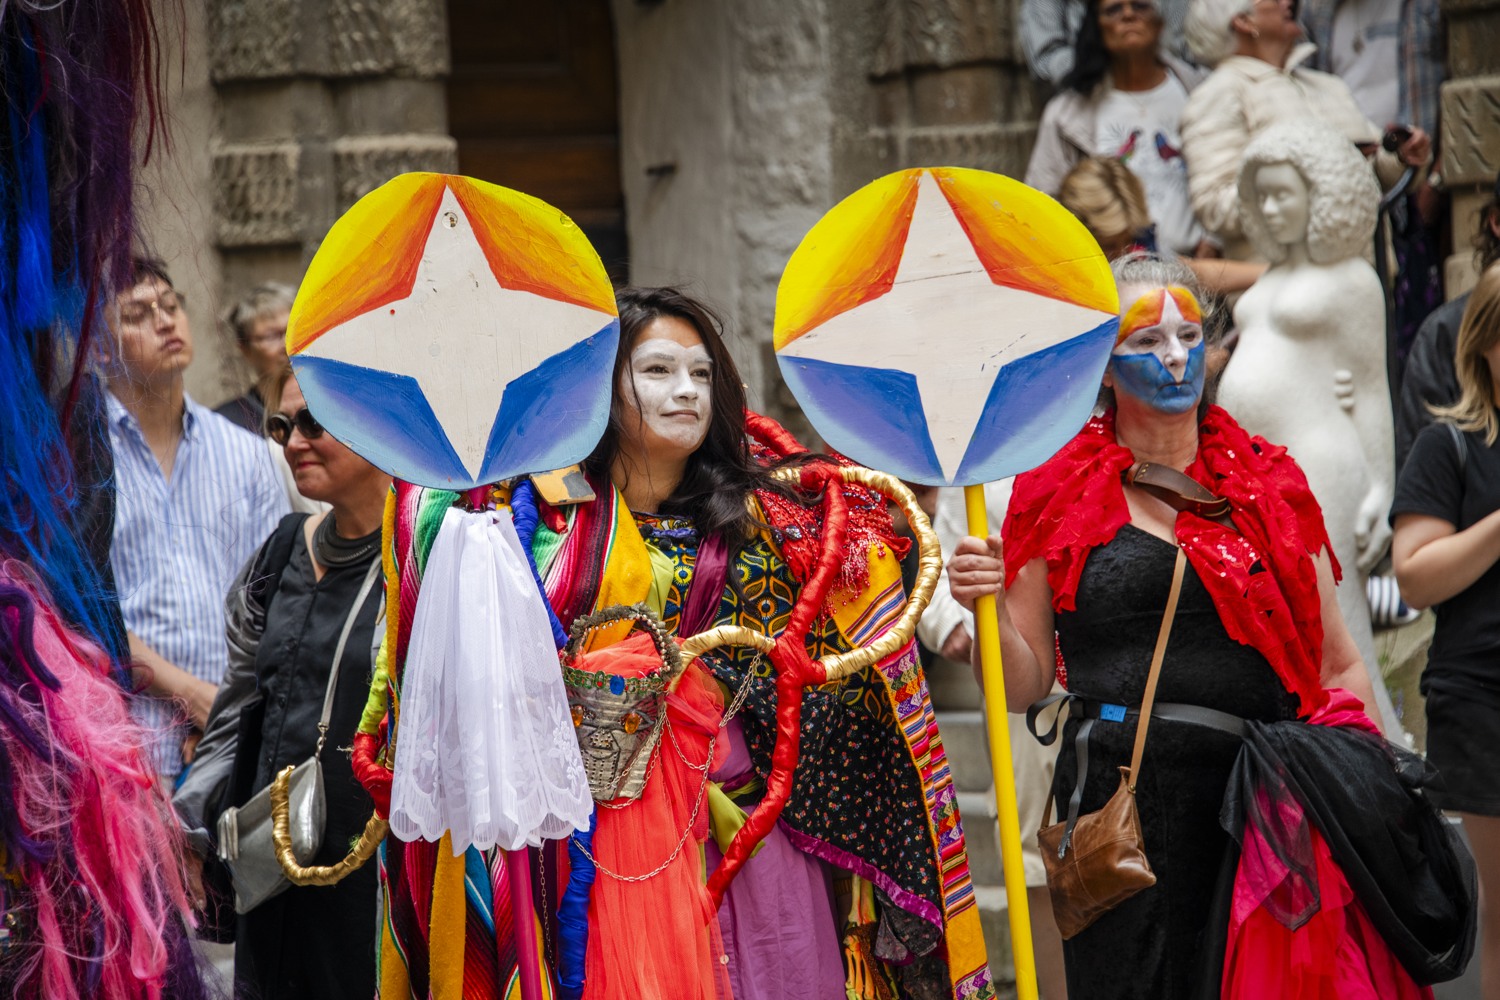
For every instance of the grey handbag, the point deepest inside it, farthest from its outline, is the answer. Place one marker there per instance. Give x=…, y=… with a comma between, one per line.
x=245, y=842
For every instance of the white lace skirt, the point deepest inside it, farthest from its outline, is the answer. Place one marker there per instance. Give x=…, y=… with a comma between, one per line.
x=485, y=747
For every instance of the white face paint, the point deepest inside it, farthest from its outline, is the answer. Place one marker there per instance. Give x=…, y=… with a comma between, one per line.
x=668, y=384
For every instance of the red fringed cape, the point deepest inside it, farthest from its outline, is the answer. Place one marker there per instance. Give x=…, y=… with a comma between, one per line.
x=1262, y=578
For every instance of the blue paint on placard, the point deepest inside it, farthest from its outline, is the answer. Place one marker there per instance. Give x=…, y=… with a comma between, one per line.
x=554, y=415
x=875, y=413
x=383, y=416
x=1036, y=405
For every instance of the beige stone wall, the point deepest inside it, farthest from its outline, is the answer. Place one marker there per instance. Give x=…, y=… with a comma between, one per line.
x=174, y=203
x=1471, y=125
x=741, y=124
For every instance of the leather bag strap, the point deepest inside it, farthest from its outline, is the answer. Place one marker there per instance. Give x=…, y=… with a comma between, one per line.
x=338, y=653
x=1149, y=698
x=1086, y=725
x=1178, y=491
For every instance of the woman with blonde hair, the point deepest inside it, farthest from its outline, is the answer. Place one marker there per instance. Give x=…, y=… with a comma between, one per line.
x=1447, y=555
x=1111, y=202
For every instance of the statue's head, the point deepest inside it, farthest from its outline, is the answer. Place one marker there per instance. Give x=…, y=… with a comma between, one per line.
x=1303, y=183
x=618, y=699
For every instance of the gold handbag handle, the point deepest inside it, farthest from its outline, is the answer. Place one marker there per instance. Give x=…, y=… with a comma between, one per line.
x=281, y=836
x=929, y=565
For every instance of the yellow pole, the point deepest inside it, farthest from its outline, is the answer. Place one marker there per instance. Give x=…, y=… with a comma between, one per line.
x=987, y=637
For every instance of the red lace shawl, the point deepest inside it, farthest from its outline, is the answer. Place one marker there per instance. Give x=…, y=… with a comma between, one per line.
x=1262, y=578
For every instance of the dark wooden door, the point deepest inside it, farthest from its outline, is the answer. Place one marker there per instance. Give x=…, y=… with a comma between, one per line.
x=533, y=102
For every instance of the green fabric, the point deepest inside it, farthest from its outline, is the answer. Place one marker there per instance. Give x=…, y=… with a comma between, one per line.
x=434, y=505
x=663, y=569
x=725, y=818
x=544, y=545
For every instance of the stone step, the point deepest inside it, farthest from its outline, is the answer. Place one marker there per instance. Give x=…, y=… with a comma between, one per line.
x=982, y=837
x=968, y=748
x=995, y=921
x=952, y=686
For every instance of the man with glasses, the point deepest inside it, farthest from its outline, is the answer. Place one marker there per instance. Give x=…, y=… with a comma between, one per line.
x=195, y=497
x=258, y=322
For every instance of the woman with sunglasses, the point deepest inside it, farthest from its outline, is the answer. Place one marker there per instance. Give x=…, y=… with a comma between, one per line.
x=1122, y=100
x=313, y=588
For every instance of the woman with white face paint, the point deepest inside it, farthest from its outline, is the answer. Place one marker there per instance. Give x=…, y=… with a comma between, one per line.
x=690, y=520
x=1090, y=545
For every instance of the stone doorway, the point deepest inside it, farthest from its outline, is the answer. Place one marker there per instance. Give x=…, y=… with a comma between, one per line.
x=533, y=102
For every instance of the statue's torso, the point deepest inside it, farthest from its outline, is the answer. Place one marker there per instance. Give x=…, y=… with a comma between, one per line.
x=1300, y=327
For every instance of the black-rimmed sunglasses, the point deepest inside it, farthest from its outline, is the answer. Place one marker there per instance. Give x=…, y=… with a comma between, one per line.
x=279, y=426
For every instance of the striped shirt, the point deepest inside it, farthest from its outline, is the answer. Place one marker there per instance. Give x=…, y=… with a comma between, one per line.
x=178, y=546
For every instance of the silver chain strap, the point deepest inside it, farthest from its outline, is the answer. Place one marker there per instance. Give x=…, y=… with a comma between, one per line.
x=734, y=707
x=681, y=841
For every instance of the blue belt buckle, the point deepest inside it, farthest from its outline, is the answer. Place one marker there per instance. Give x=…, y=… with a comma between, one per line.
x=1112, y=713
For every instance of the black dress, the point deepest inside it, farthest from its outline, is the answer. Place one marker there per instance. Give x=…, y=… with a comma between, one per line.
x=1153, y=945
x=314, y=942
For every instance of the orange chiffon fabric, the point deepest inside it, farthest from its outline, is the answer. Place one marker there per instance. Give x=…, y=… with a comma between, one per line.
x=658, y=937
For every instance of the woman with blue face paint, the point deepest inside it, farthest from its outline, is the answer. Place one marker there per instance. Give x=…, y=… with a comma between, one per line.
x=1159, y=359
x=1090, y=545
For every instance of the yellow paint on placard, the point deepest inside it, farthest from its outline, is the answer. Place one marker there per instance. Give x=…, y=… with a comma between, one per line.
x=1025, y=240
x=370, y=255
x=1028, y=241
x=849, y=257
x=368, y=258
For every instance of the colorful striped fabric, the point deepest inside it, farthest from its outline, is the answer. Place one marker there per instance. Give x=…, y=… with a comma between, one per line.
x=967, y=963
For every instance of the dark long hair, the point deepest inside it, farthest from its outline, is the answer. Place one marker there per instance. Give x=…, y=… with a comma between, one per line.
x=721, y=474
x=1090, y=59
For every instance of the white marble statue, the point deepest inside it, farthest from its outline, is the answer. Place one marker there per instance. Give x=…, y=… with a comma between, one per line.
x=1309, y=371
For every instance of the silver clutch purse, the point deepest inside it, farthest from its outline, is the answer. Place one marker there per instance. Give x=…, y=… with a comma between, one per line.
x=245, y=837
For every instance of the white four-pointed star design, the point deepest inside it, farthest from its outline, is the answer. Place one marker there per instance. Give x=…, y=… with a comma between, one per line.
x=460, y=334
x=941, y=280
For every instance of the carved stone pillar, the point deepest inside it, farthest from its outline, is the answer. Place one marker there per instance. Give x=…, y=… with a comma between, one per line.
x=952, y=86
x=319, y=102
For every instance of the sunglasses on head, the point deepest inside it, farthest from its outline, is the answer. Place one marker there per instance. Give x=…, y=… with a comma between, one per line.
x=279, y=426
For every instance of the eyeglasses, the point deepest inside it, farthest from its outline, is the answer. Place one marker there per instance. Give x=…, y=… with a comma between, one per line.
x=280, y=426
x=139, y=314
x=268, y=338
x=1115, y=11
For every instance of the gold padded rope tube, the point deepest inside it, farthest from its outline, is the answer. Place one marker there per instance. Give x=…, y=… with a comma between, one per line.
x=281, y=836
x=929, y=565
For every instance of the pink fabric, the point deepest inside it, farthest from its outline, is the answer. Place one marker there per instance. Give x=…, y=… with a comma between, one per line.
x=1337, y=954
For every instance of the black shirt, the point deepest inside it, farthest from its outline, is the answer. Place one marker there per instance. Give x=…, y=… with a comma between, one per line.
x=1429, y=377
x=1434, y=481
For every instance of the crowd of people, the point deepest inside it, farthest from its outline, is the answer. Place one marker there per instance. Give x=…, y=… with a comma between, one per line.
x=1234, y=172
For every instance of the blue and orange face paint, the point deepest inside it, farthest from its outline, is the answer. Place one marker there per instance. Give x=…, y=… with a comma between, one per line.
x=1143, y=372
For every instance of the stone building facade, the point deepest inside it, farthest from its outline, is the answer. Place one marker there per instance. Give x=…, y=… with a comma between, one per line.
x=1470, y=124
